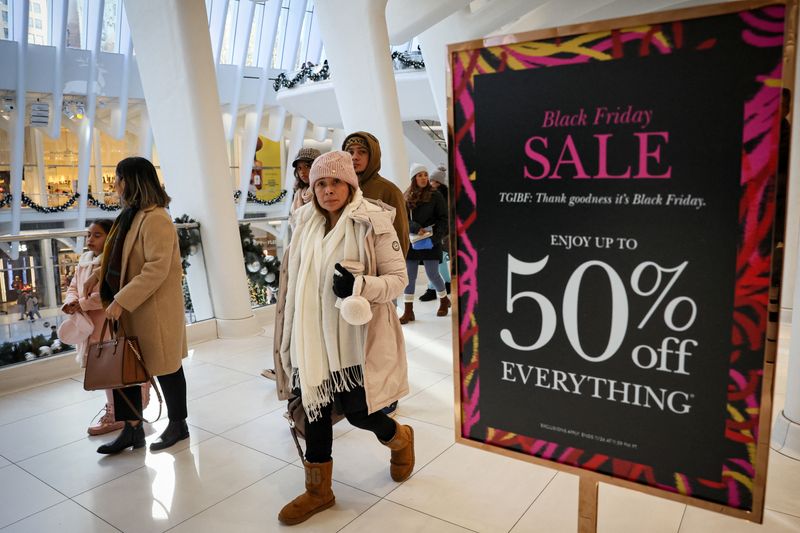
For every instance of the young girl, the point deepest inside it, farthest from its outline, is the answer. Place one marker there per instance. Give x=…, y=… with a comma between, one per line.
x=83, y=296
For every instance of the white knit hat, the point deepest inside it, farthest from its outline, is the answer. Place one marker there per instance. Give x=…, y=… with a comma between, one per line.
x=416, y=168
x=333, y=165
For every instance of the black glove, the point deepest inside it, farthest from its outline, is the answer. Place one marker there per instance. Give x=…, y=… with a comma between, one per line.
x=342, y=282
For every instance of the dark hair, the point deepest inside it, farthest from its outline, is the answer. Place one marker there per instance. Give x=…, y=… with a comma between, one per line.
x=104, y=223
x=142, y=188
x=416, y=195
x=298, y=183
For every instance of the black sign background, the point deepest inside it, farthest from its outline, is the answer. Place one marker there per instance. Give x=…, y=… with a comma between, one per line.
x=699, y=102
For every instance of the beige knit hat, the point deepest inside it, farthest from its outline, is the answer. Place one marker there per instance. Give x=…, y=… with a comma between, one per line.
x=333, y=165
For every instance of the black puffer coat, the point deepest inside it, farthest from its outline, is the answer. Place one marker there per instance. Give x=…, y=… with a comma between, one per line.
x=431, y=213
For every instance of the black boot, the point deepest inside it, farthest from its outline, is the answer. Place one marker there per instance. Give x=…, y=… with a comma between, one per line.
x=447, y=286
x=130, y=436
x=176, y=430
x=428, y=296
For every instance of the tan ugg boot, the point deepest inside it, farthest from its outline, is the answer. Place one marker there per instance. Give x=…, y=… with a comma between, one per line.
x=444, y=305
x=402, y=446
x=317, y=497
x=408, y=314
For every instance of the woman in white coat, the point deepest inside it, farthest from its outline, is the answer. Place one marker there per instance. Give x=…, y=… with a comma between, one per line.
x=344, y=247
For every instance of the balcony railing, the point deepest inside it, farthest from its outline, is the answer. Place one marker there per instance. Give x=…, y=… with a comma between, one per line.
x=47, y=261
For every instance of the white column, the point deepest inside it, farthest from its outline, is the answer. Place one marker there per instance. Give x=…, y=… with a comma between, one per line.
x=59, y=44
x=296, y=137
x=464, y=25
x=49, y=272
x=276, y=120
x=363, y=78
x=785, y=435
x=145, y=134
x=253, y=117
x=337, y=138
x=17, y=133
x=97, y=152
x=786, y=431
x=172, y=43
x=244, y=24
x=41, y=178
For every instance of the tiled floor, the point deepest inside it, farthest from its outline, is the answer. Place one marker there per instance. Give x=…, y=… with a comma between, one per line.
x=240, y=465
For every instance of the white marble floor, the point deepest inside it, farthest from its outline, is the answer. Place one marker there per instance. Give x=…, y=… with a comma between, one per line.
x=240, y=466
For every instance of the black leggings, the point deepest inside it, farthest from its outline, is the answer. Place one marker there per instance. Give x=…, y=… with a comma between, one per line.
x=172, y=385
x=319, y=434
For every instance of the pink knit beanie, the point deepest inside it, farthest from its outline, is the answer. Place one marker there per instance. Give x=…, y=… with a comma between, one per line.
x=334, y=165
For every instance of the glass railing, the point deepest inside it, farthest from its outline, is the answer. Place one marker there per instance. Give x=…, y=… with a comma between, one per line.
x=33, y=287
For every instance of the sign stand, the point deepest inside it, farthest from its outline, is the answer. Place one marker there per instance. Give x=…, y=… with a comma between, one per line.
x=558, y=96
x=587, y=504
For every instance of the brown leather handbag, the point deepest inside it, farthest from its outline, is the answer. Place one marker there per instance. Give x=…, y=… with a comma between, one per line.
x=115, y=363
x=297, y=418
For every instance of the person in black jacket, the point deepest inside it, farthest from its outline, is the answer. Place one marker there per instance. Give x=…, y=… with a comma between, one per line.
x=439, y=183
x=427, y=215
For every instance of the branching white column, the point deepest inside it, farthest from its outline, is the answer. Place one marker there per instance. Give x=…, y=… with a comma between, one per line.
x=173, y=51
x=363, y=78
x=786, y=432
x=464, y=25
x=18, y=120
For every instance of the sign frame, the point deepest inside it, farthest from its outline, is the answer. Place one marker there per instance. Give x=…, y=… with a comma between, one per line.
x=589, y=479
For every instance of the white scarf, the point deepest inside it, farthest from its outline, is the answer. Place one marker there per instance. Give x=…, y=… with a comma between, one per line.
x=327, y=353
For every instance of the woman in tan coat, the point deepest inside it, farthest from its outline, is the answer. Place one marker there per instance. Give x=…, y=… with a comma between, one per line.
x=141, y=287
x=338, y=340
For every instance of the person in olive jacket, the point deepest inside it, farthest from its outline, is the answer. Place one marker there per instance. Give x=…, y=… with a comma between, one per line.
x=365, y=150
x=427, y=214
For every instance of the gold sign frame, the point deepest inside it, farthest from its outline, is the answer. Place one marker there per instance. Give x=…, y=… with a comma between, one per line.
x=589, y=479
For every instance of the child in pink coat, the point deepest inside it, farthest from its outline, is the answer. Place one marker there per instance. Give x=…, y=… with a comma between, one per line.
x=83, y=295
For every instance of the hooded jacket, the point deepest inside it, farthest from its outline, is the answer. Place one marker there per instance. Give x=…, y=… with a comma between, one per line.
x=376, y=187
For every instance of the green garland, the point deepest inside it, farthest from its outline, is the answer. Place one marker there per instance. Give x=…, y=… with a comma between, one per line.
x=305, y=73
x=188, y=240
x=102, y=205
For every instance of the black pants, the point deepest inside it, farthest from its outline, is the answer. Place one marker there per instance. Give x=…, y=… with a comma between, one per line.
x=319, y=434
x=172, y=385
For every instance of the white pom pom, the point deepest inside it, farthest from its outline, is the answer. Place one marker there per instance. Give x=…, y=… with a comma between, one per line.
x=355, y=310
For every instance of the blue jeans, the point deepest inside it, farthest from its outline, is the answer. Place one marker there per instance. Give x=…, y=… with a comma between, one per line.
x=431, y=270
x=444, y=270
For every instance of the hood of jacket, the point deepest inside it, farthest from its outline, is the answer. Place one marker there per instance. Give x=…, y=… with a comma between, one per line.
x=374, y=147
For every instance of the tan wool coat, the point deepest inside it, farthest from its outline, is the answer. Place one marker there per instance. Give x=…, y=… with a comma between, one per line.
x=151, y=291
x=385, y=367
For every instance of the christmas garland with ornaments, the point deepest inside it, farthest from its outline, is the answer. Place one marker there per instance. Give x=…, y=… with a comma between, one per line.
x=406, y=59
x=306, y=72
x=5, y=200
x=253, y=198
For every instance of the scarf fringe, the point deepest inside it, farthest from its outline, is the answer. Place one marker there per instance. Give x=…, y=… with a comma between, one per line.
x=316, y=398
